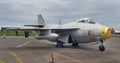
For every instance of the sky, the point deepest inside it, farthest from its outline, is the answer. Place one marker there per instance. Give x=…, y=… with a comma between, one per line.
x=20, y=12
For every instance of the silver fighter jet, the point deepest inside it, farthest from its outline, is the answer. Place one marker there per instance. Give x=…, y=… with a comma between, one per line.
x=83, y=30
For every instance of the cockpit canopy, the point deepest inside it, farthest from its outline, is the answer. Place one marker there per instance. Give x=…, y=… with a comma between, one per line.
x=85, y=20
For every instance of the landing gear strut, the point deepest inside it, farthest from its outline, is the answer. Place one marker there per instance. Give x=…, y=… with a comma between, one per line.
x=101, y=47
x=75, y=44
x=59, y=44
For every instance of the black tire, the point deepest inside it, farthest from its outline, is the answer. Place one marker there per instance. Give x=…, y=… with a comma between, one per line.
x=75, y=44
x=59, y=44
x=101, y=48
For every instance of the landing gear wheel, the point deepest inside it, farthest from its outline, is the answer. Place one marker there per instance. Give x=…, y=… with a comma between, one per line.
x=59, y=44
x=101, y=48
x=75, y=44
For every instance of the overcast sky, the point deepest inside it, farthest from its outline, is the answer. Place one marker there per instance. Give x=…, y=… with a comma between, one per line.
x=20, y=12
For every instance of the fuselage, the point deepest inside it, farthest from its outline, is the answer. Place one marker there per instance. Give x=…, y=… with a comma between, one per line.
x=88, y=31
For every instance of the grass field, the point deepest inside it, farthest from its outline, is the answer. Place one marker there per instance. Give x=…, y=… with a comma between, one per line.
x=20, y=33
x=116, y=35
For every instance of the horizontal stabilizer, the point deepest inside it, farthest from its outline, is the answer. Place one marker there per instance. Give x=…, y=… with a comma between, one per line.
x=35, y=25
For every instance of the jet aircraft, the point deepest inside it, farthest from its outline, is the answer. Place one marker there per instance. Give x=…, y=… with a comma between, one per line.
x=83, y=30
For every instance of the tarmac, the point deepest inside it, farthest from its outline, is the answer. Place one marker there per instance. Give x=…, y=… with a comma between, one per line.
x=30, y=50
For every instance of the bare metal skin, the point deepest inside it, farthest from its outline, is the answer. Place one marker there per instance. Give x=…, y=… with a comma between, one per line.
x=83, y=30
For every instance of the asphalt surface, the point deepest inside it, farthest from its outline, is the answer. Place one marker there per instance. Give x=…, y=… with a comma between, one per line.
x=30, y=50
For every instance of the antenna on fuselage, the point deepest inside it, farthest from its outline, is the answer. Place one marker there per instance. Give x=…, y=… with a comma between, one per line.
x=60, y=22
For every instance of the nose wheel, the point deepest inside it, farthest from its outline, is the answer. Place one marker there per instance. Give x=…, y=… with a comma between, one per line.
x=102, y=47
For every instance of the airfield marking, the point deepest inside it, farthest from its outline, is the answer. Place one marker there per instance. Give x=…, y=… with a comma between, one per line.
x=2, y=61
x=17, y=57
x=75, y=60
x=23, y=44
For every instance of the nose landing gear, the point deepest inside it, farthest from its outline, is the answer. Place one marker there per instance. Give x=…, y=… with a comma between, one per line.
x=102, y=47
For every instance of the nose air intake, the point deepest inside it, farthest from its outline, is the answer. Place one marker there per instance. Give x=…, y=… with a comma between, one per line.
x=105, y=32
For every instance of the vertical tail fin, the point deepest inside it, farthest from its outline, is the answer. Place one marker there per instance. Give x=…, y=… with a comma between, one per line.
x=41, y=20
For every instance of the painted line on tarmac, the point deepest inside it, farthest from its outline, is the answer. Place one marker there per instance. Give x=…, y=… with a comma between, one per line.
x=2, y=61
x=23, y=44
x=17, y=57
x=73, y=59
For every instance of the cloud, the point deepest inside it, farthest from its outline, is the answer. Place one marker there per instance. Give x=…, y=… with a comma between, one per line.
x=22, y=12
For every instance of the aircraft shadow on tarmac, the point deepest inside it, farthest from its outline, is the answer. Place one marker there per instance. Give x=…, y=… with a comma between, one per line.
x=81, y=47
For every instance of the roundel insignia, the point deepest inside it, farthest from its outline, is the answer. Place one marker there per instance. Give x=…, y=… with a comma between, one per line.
x=89, y=33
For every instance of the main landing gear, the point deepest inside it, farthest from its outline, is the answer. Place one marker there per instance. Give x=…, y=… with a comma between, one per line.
x=59, y=44
x=75, y=44
x=101, y=47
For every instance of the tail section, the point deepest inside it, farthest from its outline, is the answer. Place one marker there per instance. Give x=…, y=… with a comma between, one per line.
x=41, y=20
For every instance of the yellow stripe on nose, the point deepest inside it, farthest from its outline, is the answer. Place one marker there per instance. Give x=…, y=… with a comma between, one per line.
x=105, y=32
x=109, y=33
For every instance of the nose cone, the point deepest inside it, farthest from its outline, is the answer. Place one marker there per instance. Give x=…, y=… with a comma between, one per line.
x=105, y=32
x=112, y=30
